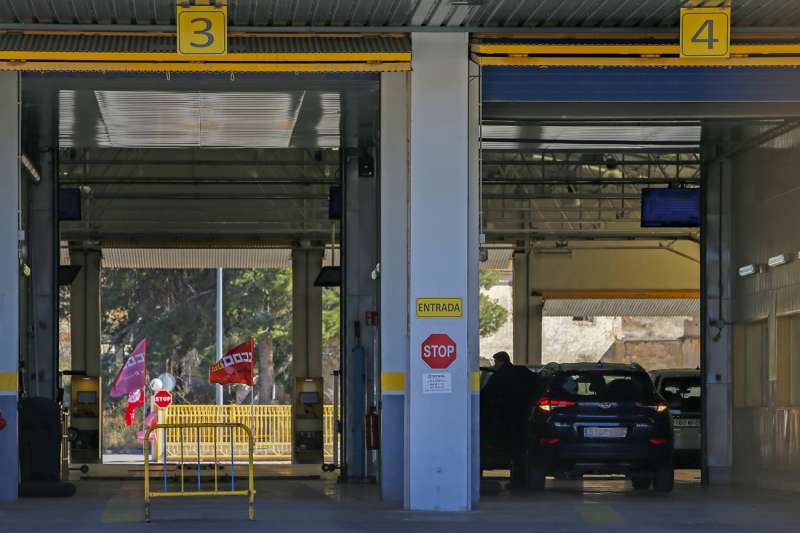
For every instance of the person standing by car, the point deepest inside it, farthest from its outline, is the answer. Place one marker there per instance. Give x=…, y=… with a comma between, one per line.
x=512, y=389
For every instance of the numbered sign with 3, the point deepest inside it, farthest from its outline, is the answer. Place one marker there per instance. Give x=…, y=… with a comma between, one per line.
x=706, y=32
x=202, y=29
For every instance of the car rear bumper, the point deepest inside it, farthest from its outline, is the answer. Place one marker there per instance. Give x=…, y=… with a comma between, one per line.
x=594, y=457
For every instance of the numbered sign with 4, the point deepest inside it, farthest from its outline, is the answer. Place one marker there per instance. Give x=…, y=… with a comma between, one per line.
x=202, y=29
x=706, y=32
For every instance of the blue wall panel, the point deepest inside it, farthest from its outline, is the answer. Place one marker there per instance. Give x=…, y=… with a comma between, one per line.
x=528, y=84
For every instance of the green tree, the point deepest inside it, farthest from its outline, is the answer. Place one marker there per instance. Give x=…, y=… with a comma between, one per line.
x=492, y=314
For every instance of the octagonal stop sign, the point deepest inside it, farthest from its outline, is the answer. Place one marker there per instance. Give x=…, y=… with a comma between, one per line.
x=163, y=399
x=438, y=350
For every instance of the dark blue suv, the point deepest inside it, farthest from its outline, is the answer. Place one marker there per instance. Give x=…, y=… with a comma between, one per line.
x=600, y=419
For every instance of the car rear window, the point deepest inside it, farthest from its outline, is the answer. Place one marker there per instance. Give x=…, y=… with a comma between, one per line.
x=603, y=386
x=682, y=393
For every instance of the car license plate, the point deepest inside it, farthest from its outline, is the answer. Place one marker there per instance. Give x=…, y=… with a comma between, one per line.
x=605, y=433
x=686, y=423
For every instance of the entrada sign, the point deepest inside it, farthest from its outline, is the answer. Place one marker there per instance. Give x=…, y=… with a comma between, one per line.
x=440, y=307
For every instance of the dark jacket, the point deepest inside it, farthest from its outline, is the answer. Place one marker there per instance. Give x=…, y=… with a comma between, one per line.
x=506, y=403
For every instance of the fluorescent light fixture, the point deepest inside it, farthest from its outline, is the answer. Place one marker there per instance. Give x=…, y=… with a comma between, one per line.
x=747, y=270
x=778, y=260
x=26, y=162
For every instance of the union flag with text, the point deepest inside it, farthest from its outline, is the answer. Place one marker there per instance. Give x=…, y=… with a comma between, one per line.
x=236, y=366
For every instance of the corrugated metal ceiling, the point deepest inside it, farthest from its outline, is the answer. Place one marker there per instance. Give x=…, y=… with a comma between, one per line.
x=253, y=44
x=499, y=258
x=477, y=14
x=203, y=257
x=622, y=307
x=162, y=119
x=612, y=135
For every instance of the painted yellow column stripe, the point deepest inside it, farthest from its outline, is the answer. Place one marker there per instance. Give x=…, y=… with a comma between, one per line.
x=475, y=378
x=8, y=382
x=393, y=382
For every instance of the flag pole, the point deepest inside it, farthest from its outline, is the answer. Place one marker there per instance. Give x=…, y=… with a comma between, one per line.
x=252, y=392
x=218, y=388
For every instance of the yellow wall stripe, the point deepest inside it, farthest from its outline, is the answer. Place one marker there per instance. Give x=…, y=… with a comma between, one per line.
x=8, y=382
x=393, y=382
x=622, y=61
x=79, y=66
x=171, y=57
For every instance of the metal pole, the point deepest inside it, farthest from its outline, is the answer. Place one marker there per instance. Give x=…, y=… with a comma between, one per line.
x=218, y=388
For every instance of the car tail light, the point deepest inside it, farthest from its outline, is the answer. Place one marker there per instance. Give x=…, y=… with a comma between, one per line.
x=548, y=404
x=658, y=442
x=657, y=407
x=549, y=441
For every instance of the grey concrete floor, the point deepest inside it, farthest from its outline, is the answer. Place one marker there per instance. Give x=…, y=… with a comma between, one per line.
x=323, y=506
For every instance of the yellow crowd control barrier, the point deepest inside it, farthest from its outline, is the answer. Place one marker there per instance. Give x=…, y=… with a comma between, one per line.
x=214, y=429
x=271, y=427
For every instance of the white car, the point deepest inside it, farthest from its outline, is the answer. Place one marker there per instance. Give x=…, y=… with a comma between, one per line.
x=682, y=389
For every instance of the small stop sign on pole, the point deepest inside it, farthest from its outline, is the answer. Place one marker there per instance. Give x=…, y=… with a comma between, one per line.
x=163, y=399
x=439, y=351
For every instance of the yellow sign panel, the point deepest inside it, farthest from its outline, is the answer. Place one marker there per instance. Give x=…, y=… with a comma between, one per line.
x=706, y=32
x=202, y=29
x=440, y=307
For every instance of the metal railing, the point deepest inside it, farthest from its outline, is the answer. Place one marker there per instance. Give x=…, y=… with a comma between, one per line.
x=214, y=430
x=271, y=427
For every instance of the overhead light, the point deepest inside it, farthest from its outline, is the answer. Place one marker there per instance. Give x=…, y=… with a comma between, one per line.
x=747, y=270
x=778, y=260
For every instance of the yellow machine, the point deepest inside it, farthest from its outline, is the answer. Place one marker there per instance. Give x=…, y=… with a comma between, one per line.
x=84, y=414
x=308, y=426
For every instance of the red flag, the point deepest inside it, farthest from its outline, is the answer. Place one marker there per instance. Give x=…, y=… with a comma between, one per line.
x=135, y=399
x=236, y=366
x=133, y=374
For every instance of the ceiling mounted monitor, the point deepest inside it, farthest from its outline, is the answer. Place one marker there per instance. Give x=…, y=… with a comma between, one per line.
x=671, y=208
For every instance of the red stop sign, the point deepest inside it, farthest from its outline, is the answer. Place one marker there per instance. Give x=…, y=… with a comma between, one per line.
x=163, y=399
x=438, y=350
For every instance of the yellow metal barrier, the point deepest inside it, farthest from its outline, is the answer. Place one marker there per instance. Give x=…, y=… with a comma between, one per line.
x=271, y=430
x=214, y=429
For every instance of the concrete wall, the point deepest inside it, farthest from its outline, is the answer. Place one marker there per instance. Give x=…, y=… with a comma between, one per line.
x=766, y=444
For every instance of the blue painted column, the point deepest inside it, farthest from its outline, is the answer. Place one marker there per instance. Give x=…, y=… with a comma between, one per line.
x=9, y=282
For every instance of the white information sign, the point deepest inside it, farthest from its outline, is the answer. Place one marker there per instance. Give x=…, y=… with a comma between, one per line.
x=437, y=383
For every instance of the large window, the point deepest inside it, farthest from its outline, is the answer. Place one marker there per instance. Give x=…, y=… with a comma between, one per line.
x=751, y=346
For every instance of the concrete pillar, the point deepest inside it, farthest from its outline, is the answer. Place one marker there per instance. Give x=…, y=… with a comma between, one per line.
x=527, y=312
x=85, y=312
x=9, y=282
x=716, y=310
x=85, y=337
x=306, y=314
x=393, y=280
x=42, y=364
x=439, y=474
x=473, y=268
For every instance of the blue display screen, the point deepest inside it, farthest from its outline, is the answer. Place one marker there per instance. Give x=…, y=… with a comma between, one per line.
x=671, y=208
